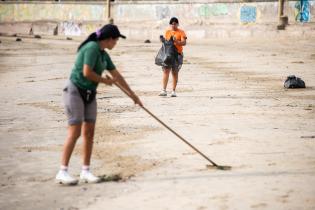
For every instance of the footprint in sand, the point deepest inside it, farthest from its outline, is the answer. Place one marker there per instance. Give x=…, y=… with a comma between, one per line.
x=259, y=205
x=284, y=198
x=227, y=131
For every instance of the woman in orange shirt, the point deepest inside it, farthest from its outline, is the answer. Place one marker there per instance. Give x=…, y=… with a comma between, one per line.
x=179, y=41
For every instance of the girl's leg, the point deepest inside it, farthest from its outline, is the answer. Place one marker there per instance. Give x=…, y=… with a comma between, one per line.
x=63, y=177
x=88, y=129
x=175, y=79
x=74, y=109
x=166, y=73
x=88, y=136
x=74, y=132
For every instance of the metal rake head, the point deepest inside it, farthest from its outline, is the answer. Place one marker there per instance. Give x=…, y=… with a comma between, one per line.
x=225, y=168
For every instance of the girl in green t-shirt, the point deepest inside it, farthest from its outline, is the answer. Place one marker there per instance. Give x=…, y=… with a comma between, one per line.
x=79, y=97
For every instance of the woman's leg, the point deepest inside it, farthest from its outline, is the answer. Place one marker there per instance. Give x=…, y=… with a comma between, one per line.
x=175, y=71
x=175, y=79
x=166, y=73
x=87, y=146
x=74, y=132
x=74, y=109
x=88, y=136
x=63, y=177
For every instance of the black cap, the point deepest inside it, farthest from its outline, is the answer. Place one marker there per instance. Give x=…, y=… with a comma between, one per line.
x=173, y=20
x=111, y=31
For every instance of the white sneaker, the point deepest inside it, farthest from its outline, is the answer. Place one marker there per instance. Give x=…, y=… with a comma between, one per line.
x=163, y=93
x=87, y=177
x=173, y=94
x=63, y=177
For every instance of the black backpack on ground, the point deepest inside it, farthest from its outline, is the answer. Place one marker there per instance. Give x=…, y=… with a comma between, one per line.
x=294, y=82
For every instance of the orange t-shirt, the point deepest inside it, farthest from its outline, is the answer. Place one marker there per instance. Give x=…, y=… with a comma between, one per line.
x=178, y=35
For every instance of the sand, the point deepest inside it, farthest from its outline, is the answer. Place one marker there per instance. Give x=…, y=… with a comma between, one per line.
x=231, y=105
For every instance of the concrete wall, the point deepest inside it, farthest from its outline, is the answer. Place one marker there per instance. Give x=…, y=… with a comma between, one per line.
x=208, y=20
x=255, y=12
x=146, y=19
x=71, y=19
x=10, y=12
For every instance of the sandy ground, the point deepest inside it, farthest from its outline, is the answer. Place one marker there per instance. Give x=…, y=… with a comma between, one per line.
x=231, y=105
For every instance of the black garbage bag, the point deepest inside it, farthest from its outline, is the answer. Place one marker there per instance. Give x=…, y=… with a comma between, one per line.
x=294, y=82
x=167, y=55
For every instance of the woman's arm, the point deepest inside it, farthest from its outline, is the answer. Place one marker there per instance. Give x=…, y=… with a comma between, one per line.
x=91, y=75
x=122, y=83
x=181, y=42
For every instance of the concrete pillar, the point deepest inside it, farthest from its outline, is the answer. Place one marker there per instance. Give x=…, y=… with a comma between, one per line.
x=109, y=18
x=283, y=20
x=281, y=3
x=108, y=9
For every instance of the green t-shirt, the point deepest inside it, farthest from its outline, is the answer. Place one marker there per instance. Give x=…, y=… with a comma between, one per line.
x=98, y=60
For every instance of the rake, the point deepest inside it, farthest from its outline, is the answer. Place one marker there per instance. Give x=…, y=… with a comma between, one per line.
x=213, y=164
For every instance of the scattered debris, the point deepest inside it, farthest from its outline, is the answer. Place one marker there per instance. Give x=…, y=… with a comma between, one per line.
x=280, y=27
x=37, y=37
x=69, y=38
x=297, y=62
x=73, y=208
x=111, y=178
x=291, y=105
x=284, y=21
x=309, y=107
x=111, y=21
x=147, y=41
x=294, y=82
x=18, y=39
x=30, y=80
x=307, y=137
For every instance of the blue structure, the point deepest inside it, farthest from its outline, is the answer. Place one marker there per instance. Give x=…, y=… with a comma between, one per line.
x=303, y=11
x=248, y=14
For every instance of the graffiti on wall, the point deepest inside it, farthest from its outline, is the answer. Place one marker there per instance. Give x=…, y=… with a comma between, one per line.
x=187, y=11
x=70, y=29
x=6, y=12
x=204, y=11
x=31, y=12
x=162, y=12
x=213, y=10
x=302, y=11
x=89, y=28
x=248, y=14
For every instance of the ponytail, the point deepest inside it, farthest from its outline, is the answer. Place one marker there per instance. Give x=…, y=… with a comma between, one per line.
x=91, y=37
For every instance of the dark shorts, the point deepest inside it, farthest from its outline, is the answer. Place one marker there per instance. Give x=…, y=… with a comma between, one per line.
x=76, y=110
x=178, y=65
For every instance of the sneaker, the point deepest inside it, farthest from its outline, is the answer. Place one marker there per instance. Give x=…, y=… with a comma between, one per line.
x=173, y=94
x=163, y=93
x=63, y=177
x=87, y=177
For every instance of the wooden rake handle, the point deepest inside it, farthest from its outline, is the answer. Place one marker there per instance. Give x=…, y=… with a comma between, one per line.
x=167, y=127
